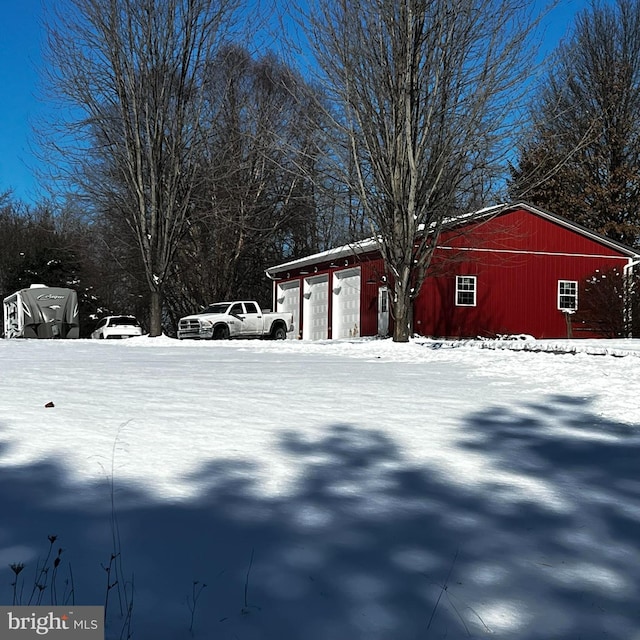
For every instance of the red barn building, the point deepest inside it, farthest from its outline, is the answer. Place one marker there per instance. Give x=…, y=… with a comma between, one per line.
x=513, y=269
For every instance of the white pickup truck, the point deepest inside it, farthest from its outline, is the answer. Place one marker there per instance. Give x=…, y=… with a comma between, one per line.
x=224, y=320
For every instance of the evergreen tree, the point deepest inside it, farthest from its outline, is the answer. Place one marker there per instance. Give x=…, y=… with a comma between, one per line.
x=581, y=157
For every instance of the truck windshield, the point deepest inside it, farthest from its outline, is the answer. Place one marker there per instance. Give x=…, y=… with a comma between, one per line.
x=220, y=307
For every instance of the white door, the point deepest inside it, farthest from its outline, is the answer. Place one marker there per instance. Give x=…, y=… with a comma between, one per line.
x=288, y=301
x=252, y=321
x=315, y=324
x=239, y=325
x=383, y=311
x=345, y=321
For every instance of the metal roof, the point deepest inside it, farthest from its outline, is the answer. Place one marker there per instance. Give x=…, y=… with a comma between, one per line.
x=370, y=244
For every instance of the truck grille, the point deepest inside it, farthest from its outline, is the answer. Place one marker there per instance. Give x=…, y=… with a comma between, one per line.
x=189, y=328
x=189, y=325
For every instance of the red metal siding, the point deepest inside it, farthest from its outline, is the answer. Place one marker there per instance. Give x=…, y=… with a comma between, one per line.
x=518, y=257
x=514, y=298
x=517, y=279
x=522, y=230
x=373, y=276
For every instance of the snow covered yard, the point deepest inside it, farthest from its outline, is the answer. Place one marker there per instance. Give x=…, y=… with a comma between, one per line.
x=329, y=491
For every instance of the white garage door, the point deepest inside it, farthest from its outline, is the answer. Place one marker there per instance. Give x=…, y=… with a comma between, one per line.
x=288, y=300
x=346, y=304
x=315, y=323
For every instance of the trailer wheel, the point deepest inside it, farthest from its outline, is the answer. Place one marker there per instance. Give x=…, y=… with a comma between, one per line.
x=279, y=333
x=220, y=332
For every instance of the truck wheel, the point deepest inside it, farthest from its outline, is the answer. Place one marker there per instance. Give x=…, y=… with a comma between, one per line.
x=221, y=332
x=279, y=333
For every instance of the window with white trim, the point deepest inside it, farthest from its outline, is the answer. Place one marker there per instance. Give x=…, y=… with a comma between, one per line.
x=567, y=295
x=466, y=291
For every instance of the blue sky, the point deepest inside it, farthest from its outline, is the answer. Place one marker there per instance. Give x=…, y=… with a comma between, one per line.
x=20, y=46
x=20, y=104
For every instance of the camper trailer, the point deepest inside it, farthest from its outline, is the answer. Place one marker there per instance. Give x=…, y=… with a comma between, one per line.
x=41, y=312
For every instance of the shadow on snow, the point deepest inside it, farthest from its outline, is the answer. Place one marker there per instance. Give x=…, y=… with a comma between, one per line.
x=367, y=544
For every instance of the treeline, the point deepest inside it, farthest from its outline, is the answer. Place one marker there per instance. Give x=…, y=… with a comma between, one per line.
x=580, y=154
x=186, y=163
x=263, y=194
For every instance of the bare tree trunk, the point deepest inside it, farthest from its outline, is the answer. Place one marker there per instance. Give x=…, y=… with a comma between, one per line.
x=402, y=312
x=132, y=75
x=425, y=94
x=155, y=317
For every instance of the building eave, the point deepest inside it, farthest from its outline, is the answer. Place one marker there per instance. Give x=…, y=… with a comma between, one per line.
x=371, y=244
x=330, y=255
x=574, y=226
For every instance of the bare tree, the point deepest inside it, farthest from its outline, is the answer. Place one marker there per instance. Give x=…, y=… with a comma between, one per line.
x=257, y=202
x=129, y=73
x=424, y=95
x=582, y=155
x=609, y=304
